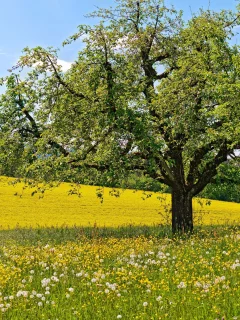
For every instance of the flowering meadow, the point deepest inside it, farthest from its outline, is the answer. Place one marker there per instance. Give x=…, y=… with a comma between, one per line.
x=67, y=257
x=44, y=274
x=56, y=208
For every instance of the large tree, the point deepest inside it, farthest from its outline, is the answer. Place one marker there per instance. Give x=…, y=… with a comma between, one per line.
x=147, y=92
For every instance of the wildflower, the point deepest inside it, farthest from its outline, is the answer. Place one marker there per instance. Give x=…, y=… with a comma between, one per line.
x=79, y=274
x=54, y=278
x=22, y=293
x=45, y=282
x=40, y=303
x=145, y=304
x=159, y=298
x=70, y=289
x=119, y=316
x=182, y=285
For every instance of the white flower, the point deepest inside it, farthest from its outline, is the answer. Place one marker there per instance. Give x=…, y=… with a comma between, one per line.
x=70, y=289
x=45, y=282
x=145, y=304
x=235, y=265
x=106, y=291
x=53, y=278
x=159, y=298
x=22, y=293
x=79, y=274
x=40, y=303
x=182, y=285
x=67, y=295
x=119, y=316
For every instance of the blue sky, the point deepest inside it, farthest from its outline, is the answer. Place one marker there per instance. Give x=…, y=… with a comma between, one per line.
x=49, y=22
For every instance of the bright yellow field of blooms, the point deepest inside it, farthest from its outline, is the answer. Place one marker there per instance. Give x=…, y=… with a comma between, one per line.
x=57, y=208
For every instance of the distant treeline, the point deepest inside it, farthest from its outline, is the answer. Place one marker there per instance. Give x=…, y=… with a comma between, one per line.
x=225, y=186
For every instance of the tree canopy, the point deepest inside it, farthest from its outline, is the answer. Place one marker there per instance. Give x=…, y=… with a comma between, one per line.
x=148, y=92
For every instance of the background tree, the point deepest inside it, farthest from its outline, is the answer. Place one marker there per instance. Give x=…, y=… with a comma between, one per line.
x=148, y=92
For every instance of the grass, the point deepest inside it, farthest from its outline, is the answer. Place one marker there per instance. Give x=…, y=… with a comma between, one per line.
x=113, y=273
x=64, y=257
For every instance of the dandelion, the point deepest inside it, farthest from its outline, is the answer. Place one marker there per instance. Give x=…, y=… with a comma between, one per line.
x=182, y=285
x=145, y=304
x=45, y=282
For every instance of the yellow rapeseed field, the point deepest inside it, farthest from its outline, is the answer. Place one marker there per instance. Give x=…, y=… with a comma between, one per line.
x=57, y=208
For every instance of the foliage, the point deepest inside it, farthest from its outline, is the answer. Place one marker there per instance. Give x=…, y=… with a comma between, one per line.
x=226, y=185
x=147, y=92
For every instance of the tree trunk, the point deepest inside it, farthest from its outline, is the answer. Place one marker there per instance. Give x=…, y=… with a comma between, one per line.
x=182, y=217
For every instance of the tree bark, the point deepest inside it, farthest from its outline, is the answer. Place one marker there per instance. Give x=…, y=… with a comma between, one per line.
x=182, y=215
